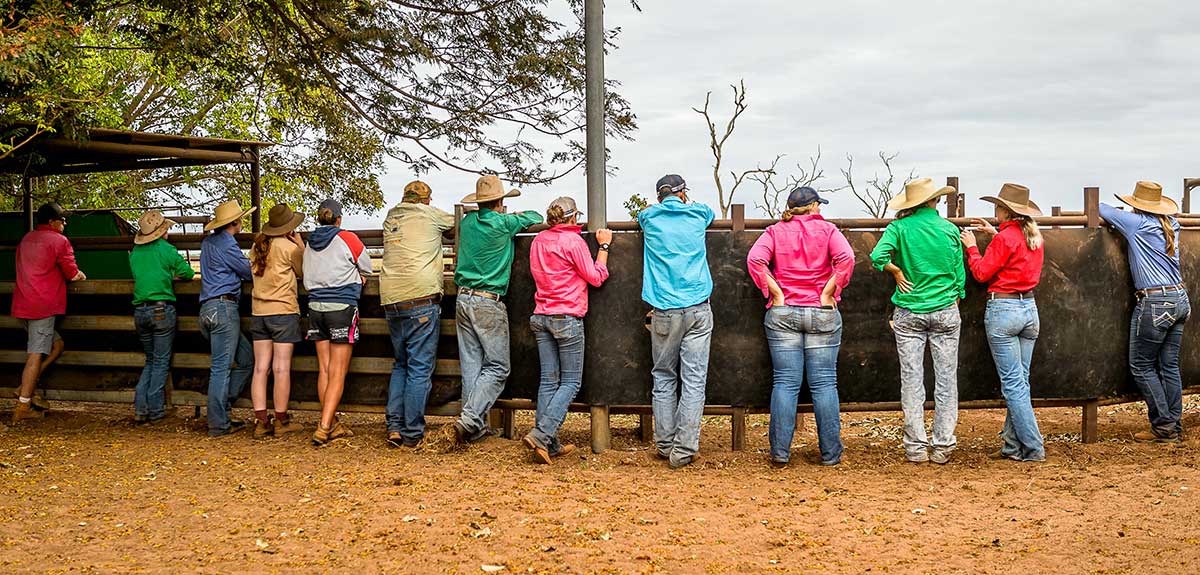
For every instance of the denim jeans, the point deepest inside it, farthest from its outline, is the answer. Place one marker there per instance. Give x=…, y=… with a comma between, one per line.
x=804, y=340
x=940, y=329
x=1155, y=333
x=483, y=357
x=560, y=349
x=232, y=360
x=1012, y=329
x=155, y=325
x=679, y=340
x=414, y=344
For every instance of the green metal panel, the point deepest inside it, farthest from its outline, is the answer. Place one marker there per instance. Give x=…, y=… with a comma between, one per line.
x=97, y=264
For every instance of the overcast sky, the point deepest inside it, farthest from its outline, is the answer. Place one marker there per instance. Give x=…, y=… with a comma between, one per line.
x=1052, y=95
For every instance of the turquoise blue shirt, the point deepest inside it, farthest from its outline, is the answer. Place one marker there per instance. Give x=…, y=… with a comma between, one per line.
x=676, y=260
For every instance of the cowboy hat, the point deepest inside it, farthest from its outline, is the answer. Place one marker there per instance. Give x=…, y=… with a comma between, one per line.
x=489, y=188
x=1147, y=197
x=151, y=226
x=281, y=220
x=226, y=213
x=1015, y=198
x=918, y=192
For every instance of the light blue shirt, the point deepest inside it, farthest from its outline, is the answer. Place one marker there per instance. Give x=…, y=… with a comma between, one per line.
x=223, y=266
x=676, y=260
x=1148, y=260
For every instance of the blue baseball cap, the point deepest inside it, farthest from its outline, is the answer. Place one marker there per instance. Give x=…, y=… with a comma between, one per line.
x=670, y=184
x=333, y=206
x=803, y=196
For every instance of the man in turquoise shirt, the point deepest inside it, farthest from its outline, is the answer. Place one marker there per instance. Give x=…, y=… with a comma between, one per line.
x=677, y=283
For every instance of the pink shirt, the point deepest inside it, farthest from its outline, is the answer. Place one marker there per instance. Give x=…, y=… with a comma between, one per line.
x=801, y=254
x=45, y=262
x=562, y=268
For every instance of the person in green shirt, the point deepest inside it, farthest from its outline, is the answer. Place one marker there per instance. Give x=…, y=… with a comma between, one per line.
x=923, y=252
x=485, y=256
x=155, y=264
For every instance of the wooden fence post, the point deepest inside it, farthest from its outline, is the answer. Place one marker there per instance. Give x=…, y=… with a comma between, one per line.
x=646, y=426
x=739, y=428
x=601, y=429
x=1091, y=206
x=1091, y=419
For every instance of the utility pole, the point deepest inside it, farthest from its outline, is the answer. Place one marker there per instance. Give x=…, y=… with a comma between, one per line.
x=593, y=28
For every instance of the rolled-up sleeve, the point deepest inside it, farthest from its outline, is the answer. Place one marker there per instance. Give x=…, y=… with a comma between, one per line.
x=882, y=254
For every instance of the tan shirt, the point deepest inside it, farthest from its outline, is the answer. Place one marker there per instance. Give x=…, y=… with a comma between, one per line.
x=412, y=252
x=274, y=292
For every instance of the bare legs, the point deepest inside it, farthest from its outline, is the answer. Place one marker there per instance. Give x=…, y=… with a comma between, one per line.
x=334, y=362
x=274, y=359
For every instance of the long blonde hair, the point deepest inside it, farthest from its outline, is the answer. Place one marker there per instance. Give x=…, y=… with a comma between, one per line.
x=1168, y=233
x=798, y=211
x=1033, y=235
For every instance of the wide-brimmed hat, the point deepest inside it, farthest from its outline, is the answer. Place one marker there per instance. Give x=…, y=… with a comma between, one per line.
x=1147, y=196
x=1015, y=198
x=226, y=213
x=918, y=192
x=151, y=226
x=489, y=188
x=281, y=220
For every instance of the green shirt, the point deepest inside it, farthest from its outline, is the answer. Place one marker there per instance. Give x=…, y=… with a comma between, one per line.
x=155, y=266
x=927, y=249
x=485, y=248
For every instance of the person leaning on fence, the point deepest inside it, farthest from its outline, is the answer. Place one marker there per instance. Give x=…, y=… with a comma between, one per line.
x=562, y=269
x=676, y=282
x=802, y=264
x=276, y=261
x=336, y=265
x=1012, y=268
x=45, y=262
x=223, y=268
x=1156, y=329
x=485, y=256
x=155, y=265
x=410, y=289
x=923, y=252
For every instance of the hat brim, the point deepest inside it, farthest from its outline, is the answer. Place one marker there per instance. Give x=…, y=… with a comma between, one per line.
x=473, y=199
x=904, y=202
x=1031, y=210
x=285, y=228
x=214, y=224
x=160, y=231
x=1165, y=207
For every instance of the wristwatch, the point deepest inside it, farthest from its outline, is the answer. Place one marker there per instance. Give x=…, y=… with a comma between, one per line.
x=604, y=247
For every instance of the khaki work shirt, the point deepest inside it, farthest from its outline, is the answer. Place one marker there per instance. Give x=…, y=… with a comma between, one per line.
x=412, y=252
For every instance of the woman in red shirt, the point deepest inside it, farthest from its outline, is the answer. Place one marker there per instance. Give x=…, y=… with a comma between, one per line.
x=1012, y=267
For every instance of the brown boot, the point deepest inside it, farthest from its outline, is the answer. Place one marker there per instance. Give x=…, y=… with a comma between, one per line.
x=340, y=430
x=1151, y=437
x=565, y=449
x=26, y=411
x=262, y=429
x=286, y=427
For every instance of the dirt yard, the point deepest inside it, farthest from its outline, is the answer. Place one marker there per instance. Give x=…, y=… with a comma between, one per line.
x=85, y=492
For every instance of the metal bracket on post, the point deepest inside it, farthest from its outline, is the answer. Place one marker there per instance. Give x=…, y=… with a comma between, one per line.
x=1091, y=206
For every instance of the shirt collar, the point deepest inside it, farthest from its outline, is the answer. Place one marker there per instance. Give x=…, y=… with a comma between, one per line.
x=567, y=228
x=671, y=199
x=1008, y=224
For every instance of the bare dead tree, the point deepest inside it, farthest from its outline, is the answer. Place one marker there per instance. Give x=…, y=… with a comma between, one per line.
x=774, y=193
x=878, y=191
x=717, y=146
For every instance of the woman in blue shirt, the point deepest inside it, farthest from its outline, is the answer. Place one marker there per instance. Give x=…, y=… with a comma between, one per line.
x=1156, y=328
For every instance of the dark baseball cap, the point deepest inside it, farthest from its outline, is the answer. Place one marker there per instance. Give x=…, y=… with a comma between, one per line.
x=803, y=196
x=333, y=206
x=50, y=211
x=669, y=184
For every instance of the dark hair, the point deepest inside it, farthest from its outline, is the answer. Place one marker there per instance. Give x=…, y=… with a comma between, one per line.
x=325, y=217
x=489, y=205
x=49, y=212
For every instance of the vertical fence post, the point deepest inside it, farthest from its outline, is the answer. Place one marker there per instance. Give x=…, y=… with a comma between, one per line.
x=1188, y=184
x=955, y=201
x=646, y=426
x=739, y=217
x=738, y=426
x=255, y=191
x=1091, y=416
x=27, y=203
x=1091, y=206
x=1055, y=211
x=601, y=431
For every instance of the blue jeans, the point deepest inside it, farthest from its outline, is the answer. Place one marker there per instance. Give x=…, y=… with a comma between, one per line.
x=940, y=331
x=155, y=325
x=1155, y=333
x=560, y=349
x=414, y=343
x=804, y=340
x=483, y=357
x=679, y=341
x=232, y=360
x=1012, y=327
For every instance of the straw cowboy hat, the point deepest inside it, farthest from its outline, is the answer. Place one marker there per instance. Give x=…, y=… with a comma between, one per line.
x=281, y=220
x=151, y=226
x=226, y=213
x=489, y=188
x=1147, y=196
x=1015, y=198
x=918, y=192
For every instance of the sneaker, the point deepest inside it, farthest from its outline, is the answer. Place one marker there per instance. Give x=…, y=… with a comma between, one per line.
x=26, y=411
x=1151, y=437
x=939, y=457
x=681, y=463
x=565, y=449
x=540, y=455
x=263, y=429
x=919, y=457
x=394, y=439
x=281, y=428
x=413, y=443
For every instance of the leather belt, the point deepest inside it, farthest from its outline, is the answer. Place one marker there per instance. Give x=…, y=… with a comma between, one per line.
x=415, y=302
x=159, y=303
x=1020, y=295
x=479, y=293
x=1159, y=290
x=224, y=296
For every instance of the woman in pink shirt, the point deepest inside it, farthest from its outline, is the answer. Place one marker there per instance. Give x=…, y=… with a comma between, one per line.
x=801, y=265
x=562, y=268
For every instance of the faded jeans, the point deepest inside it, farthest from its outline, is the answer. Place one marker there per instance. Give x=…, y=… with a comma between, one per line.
x=483, y=357
x=155, y=325
x=414, y=333
x=560, y=349
x=232, y=360
x=679, y=340
x=1012, y=327
x=1155, y=333
x=940, y=329
x=804, y=340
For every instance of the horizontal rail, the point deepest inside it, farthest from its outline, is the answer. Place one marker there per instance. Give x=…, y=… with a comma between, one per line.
x=192, y=287
x=303, y=364
x=367, y=326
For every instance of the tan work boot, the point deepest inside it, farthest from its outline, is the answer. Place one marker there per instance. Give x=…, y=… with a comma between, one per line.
x=339, y=430
x=1151, y=437
x=26, y=411
x=284, y=428
x=565, y=449
x=262, y=429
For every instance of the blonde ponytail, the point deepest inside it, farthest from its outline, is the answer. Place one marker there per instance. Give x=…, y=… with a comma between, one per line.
x=554, y=215
x=1168, y=233
x=1033, y=235
x=798, y=211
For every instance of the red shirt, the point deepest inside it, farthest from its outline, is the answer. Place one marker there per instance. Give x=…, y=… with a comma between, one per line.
x=801, y=254
x=45, y=262
x=562, y=268
x=1009, y=265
